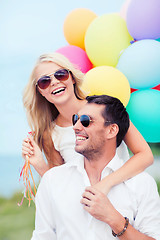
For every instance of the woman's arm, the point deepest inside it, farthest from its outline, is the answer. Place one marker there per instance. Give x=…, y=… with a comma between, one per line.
x=141, y=159
x=53, y=156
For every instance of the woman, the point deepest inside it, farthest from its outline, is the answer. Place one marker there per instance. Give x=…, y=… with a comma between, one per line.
x=52, y=96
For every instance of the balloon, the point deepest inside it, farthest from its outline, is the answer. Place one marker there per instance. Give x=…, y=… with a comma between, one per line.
x=77, y=56
x=76, y=24
x=124, y=8
x=143, y=19
x=140, y=63
x=144, y=112
x=105, y=38
x=157, y=87
x=107, y=80
x=133, y=90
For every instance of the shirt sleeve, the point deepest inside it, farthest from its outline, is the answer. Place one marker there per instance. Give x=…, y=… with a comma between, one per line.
x=147, y=219
x=44, y=221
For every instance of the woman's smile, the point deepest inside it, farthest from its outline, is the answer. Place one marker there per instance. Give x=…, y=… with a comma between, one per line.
x=58, y=91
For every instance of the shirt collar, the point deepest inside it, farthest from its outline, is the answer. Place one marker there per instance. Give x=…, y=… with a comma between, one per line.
x=113, y=165
x=76, y=162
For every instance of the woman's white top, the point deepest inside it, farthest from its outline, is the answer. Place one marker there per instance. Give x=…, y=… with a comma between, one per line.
x=64, y=142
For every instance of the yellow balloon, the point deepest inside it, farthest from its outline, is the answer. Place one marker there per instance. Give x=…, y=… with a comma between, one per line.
x=105, y=38
x=107, y=80
x=76, y=24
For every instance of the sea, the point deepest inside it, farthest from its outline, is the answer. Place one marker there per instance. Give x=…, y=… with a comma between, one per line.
x=11, y=165
x=10, y=182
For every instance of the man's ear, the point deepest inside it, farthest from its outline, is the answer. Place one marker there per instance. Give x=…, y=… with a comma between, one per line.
x=112, y=131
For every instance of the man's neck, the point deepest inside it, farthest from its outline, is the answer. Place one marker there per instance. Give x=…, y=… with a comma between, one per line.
x=94, y=167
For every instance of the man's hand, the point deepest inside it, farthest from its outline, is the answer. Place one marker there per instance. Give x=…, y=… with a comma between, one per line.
x=98, y=205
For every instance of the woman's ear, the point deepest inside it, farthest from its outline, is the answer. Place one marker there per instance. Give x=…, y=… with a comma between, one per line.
x=73, y=80
x=113, y=130
x=40, y=92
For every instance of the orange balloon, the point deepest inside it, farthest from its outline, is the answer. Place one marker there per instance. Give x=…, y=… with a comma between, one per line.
x=76, y=24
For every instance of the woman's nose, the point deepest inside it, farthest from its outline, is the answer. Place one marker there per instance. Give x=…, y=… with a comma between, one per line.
x=54, y=80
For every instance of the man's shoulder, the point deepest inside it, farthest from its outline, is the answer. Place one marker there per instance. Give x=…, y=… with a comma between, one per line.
x=141, y=178
x=57, y=178
x=58, y=171
x=141, y=183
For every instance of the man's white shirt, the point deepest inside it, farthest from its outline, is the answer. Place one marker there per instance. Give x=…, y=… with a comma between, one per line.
x=60, y=215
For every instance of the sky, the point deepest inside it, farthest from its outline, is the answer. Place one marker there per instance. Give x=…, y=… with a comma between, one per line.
x=27, y=30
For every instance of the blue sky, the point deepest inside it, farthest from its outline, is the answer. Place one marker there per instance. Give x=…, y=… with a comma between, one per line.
x=28, y=29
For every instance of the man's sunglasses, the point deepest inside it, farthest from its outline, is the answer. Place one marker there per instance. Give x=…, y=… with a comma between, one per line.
x=61, y=75
x=84, y=119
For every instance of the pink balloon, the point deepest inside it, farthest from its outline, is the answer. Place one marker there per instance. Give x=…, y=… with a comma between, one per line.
x=77, y=56
x=124, y=8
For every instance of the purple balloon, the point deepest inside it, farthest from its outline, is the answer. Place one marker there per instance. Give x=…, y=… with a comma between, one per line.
x=143, y=19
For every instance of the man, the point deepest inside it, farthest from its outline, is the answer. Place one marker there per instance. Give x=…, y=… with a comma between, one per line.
x=130, y=211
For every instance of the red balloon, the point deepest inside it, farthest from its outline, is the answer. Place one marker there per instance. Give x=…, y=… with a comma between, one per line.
x=133, y=90
x=157, y=87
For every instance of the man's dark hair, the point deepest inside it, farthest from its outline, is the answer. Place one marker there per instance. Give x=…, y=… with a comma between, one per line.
x=114, y=112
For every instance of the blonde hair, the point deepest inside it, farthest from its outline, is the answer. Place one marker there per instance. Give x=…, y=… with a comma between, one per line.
x=40, y=112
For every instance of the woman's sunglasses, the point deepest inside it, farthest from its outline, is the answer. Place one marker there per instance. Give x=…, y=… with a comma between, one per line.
x=61, y=75
x=84, y=119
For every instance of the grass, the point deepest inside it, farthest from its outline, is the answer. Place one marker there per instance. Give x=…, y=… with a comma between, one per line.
x=16, y=223
x=158, y=186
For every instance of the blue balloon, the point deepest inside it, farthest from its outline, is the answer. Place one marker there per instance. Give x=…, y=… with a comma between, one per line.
x=144, y=112
x=140, y=63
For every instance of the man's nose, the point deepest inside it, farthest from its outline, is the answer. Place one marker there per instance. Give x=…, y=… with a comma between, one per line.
x=78, y=125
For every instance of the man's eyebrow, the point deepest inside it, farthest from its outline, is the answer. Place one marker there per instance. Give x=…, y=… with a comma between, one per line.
x=92, y=117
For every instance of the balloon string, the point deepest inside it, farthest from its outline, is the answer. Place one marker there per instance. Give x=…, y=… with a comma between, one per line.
x=25, y=174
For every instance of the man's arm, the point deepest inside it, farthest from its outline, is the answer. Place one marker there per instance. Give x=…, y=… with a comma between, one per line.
x=44, y=220
x=99, y=206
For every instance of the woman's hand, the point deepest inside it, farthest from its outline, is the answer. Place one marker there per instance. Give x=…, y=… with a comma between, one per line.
x=32, y=150
x=103, y=186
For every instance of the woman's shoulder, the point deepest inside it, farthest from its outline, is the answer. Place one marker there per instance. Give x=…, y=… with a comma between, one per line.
x=59, y=131
x=59, y=128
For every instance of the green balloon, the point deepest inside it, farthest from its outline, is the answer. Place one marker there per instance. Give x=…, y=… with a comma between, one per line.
x=144, y=112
